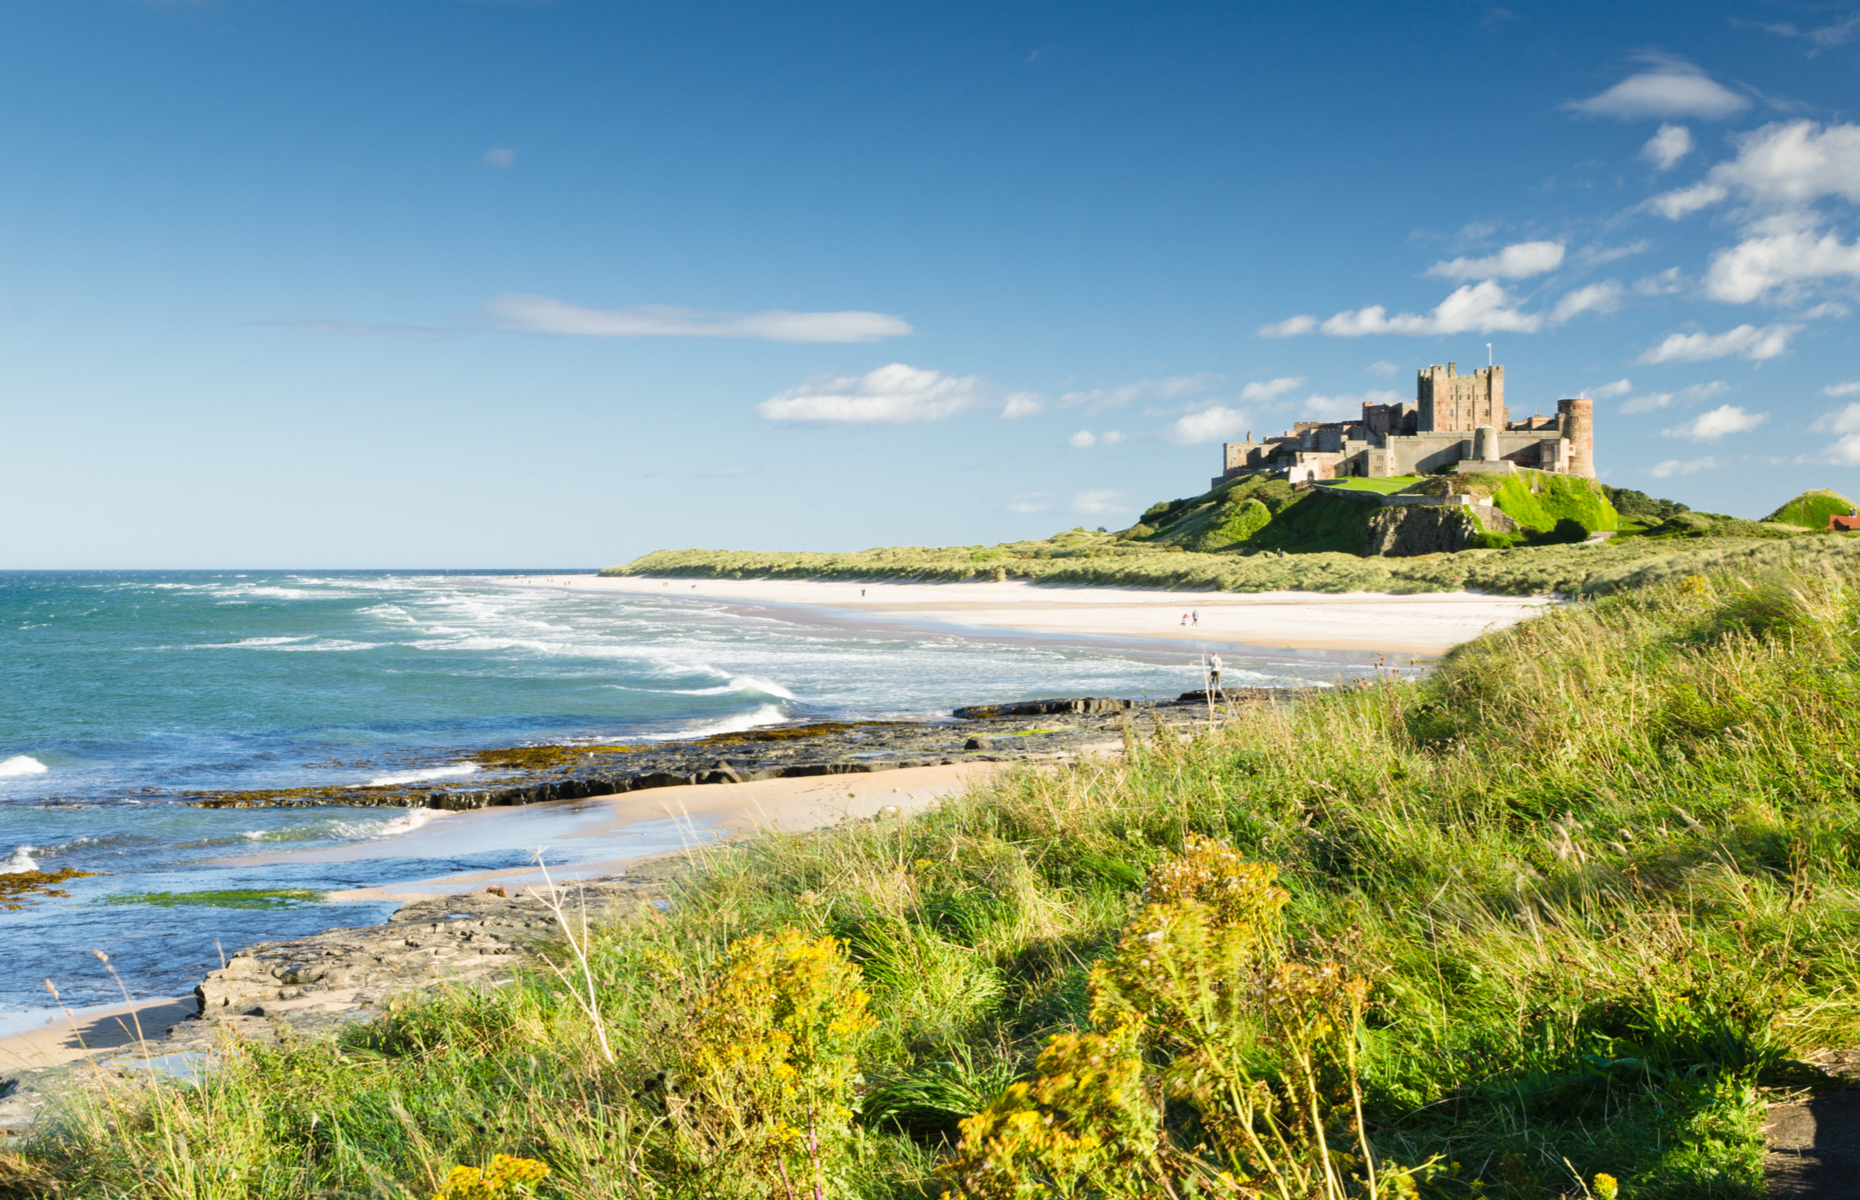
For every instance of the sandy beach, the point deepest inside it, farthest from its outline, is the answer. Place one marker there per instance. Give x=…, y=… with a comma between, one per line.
x=1428, y=623
x=690, y=816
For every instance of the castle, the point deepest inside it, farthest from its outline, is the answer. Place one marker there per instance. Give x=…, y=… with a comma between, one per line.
x=1457, y=422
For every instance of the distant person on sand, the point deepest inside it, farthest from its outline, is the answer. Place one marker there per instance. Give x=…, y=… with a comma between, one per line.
x=1194, y=618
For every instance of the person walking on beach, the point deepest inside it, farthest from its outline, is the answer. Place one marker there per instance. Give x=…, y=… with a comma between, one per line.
x=1194, y=618
x=1185, y=619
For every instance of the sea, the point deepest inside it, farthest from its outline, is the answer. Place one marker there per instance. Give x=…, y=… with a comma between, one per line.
x=122, y=692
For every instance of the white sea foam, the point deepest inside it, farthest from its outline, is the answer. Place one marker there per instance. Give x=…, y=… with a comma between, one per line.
x=768, y=714
x=737, y=684
x=21, y=860
x=421, y=776
x=411, y=820
x=21, y=764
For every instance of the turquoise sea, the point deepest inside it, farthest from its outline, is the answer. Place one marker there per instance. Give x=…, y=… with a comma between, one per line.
x=120, y=690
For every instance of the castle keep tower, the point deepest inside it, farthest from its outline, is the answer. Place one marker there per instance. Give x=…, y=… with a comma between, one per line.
x=1576, y=423
x=1456, y=423
x=1450, y=402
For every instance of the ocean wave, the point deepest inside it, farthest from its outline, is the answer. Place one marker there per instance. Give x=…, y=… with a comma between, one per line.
x=737, y=684
x=285, y=643
x=409, y=821
x=21, y=764
x=20, y=861
x=421, y=776
x=768, y=714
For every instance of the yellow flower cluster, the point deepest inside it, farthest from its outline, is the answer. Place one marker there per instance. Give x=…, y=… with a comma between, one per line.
x=1194, y=1001
x=1211, y=873
x=505, y=1179
x=772, y=1059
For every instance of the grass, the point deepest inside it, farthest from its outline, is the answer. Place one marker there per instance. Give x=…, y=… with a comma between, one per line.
x=1812, y=509
x=260, y=898
x=1599, y=875
x=1393, y=483
x=1080, y=558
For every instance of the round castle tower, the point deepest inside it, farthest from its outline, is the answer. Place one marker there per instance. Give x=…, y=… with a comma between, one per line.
x=1576, y=422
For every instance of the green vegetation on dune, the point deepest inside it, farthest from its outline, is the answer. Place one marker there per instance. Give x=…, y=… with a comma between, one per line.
x=1556, y=912
x=1811, y=510
x=1082, y=558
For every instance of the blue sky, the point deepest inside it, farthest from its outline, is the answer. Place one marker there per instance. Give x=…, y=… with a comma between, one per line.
x=435, y=283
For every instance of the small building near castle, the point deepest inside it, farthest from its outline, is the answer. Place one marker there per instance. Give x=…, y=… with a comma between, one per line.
x=1456, y=423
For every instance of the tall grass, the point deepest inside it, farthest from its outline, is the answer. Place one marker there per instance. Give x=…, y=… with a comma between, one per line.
x=1598, y=875
x=1078, y=557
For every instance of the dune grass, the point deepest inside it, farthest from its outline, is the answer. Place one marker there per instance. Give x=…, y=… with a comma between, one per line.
x=1597, y=876
x=1096, y=559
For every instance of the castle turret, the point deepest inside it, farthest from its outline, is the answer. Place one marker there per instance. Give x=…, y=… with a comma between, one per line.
x=1576, y=422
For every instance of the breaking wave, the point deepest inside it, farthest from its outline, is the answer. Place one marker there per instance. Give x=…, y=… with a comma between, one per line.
x=21, y=764
x=421, y=776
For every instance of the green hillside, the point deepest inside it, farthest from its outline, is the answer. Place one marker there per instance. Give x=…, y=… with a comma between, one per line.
x=1265, y=513
x=1812, y=509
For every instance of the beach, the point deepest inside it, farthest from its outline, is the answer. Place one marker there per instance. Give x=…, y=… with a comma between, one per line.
x=1427, y=623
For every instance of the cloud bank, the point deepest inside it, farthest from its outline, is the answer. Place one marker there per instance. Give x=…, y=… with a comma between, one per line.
x=1673, y=88
x=541, y=314
x=891, y=395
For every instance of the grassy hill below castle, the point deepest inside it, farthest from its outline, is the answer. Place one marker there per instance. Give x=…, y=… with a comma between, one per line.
x=1262, y=534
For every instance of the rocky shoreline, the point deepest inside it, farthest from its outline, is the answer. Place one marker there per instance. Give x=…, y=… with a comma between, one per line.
x=995, y=732
x=315, y=984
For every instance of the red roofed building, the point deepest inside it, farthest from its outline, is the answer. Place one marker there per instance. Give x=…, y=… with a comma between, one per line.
x=1851, y=521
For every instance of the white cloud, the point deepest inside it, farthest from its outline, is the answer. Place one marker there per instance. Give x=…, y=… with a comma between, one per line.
x=1290, y=327
x=1851, y=387
x=1084, y=439
x=1520, y=261
x=1098, y=503
x=1481, y=307
x=1033, y=502
x=1272, y=388
x=1596, y=297
x=1661, y=283
x=1685, y=201
x=892, y=394
x=1791, y=163
x=1596, y=256
x=1143, y=389
x=1780, y=257
x=1749, y=341
x=1843, y=420
x=1608, y=391
x=1719, y=422
x=541, y=314
x=1112, y=438
x=1673, y=88
x=1784, y=165
x=1022, y=404
x=1845, y=425
x=1667, y=147
x=1654, y=401
x=1214, y=424
x=1674, y=466
x=500, y=157
x=1384, y=368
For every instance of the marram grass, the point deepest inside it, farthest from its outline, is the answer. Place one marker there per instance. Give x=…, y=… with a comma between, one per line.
x=1081, y=558
x=1597, y=877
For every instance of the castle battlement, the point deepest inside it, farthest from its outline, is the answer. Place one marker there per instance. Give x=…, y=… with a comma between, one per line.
x=1457, y=422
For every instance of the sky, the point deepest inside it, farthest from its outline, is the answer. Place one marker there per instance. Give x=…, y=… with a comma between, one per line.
x=437, y=283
